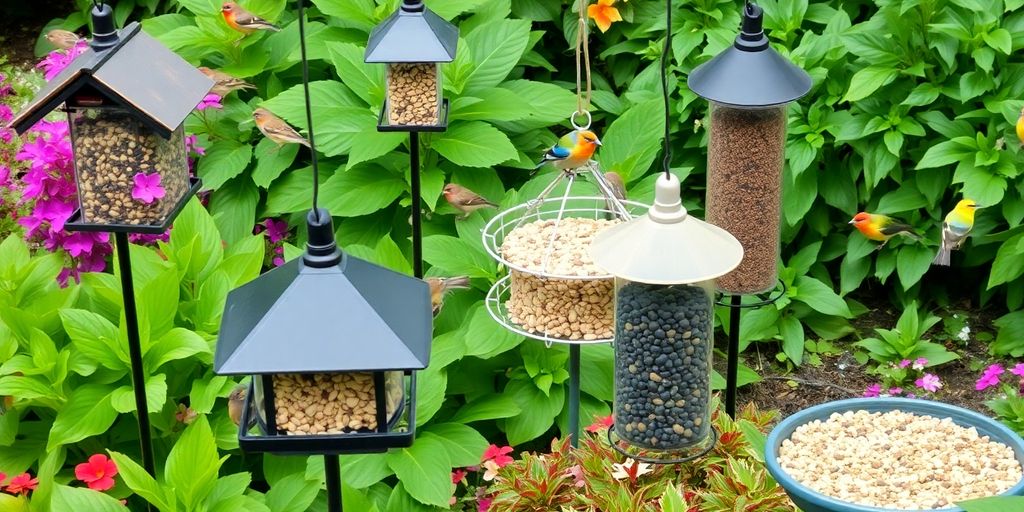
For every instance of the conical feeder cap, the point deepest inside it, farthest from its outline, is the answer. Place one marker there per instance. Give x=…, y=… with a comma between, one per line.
x=666, y=246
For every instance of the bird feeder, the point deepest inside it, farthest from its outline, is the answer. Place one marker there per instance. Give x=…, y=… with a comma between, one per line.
x=749, y=86
x=413, y=42
x=664, y=265
x=126, y=99
x=330, y=341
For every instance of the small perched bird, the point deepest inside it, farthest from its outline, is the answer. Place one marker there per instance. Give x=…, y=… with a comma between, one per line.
x=276, y=129
x=955, y=228
x=244, y=21
x=465, y=200
x=881, y=227
x=223, y=83
x=439, y=286
x=618, y=186
x=573, y=150
x=62, y=39
x=236, y=402
x=1020, y=127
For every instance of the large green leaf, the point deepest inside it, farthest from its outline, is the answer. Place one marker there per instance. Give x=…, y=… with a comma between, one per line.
x=366, y=80
x=489, y=407
x=95, y=337
x=193, y=464
x=496, y=48
x=224, y=160
x=292, y=493
x=272, y=160
x=361, y=190
x=457, y=257
x=485, y=338
x=1009, y=262
x=122, y=399
x=87, y=413
x=77, y=498
x=994, y=504
x=136, y=478
x=474, y=144
x=820, y=297
x=868, y=80
x=912, y=263
x=792, y=338
x=425, y=470
x=430, y=388
x=363, y=470
x=633, y=141
x=537, y=410
x=465, y=445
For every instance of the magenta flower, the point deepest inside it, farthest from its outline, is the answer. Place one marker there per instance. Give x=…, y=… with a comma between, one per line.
x=210, y=101
x=920, y=363
x=895, y=391
x=276, y=230
x=904, y=363
x=147, y=188
x=929, y=382
x=873, y=391
x=57, y=60
x=1018, y=370
x=990, y=377
x=141, y=239
x=278, y=261
x=5, y=113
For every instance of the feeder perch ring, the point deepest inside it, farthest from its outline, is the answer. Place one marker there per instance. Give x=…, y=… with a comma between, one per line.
x=574, y=115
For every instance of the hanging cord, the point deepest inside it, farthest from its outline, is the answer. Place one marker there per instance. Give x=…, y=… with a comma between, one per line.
x=667, y=147
x=309, y=109
x=97, y=4
x=582, y=48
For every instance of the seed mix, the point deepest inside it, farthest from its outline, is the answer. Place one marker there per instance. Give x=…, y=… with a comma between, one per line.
x=332, y=403
x=413, y=94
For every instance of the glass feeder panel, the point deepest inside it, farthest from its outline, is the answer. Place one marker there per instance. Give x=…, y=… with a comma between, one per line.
x=126, y=174
x=333, y=403
x=663, y=342
x=744, y=196
x=414, y=93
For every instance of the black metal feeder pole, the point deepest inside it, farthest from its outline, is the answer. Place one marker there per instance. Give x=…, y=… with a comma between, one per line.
x=732, y=372
x=131, y=319
x=417, y=210
x=332, y=471
x=574, y=395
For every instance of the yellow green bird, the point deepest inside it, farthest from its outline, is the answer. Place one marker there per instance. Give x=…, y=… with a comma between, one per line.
x=955, y=228
x=876, y=226
x=1020, y=127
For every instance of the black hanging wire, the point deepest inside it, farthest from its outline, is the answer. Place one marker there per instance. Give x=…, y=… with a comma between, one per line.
x=309, y=108
x=667, y=147
x=97, y=4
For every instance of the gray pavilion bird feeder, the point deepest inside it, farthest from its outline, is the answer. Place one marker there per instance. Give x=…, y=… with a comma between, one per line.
x=126, y=99
x=330, y=341
x=413, y=42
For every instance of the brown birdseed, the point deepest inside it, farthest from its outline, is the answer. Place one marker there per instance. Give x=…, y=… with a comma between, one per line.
x=111, y=147
x=745, y=162
x=413, y=94
x=332, y=403
x=898, y=460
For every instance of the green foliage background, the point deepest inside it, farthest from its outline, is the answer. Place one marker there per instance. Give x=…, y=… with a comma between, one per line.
x=913, y=106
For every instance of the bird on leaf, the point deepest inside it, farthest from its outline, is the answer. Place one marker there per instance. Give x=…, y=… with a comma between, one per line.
x=881, y=228
x=573, y=150
x=955, y=228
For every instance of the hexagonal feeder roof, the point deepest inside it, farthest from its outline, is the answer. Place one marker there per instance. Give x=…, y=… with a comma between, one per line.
x=138, y=73
x=413, y=34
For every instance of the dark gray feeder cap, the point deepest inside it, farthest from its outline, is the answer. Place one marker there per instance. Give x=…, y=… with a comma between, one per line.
x=326, y=312
x=413, y=34
x=750, y=73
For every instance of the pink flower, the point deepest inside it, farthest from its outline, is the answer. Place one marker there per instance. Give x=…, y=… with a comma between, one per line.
x=3, y=476
x=5, y=113
x=873, y=391
x=498, y=454
x=483, y=504
x=57, y=60
x=141, y=239
x=576, y=472
x=278, y=261
x=929, y=382
x=147, y=188
x=904, y=363
x=920, y=363
x=276, y=230
x=458, y=476
x=210, y=101
x=895, y=391
x=1018, y=370
x=990, y=377
x=601, y=423
x=22, y=484
x=99, y=472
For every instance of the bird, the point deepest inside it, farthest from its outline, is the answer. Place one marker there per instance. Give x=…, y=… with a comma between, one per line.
x=573, y=150
x=955, y=228
x=223, y=83
x=1020, y=127
x=439, y=286
x=618, y=186
x=276, y=129
x=881, y=228
x=62, y=39
x=236, y=403
x=465, y=200
x=244, y=21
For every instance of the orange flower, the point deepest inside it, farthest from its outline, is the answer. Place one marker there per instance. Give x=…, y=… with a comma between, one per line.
x=604, y=14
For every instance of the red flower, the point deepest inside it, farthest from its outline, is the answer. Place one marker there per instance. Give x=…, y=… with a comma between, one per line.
x=3, y=476
x=22, y=484
x=458, y=476
x=98, y=473
x=498, y=455
x=601, y=423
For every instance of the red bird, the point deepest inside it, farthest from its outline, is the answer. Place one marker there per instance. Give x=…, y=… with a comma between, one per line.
x=244, y=21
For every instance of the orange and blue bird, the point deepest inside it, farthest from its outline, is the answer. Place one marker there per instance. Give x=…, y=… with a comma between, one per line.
x=244, y=21
x=573, y=150
x=881, y=228
x=955, y=228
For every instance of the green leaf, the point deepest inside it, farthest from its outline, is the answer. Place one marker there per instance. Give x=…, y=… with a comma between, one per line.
x=999, y=39
x=364, y=79
x=122, y=399
x=430, y=389
x=363, y=470
x=994, y=504
x=192, y=465
x=234, y=208
x=944, y=153
x=869, y=80
x=672, y=499
x=488, y=407
x=136, y=478
x=355, y=13
x=538, y=411
x=361, y=190
x=449, y=9
x=95, y=337
x=495, y=104
x=496, y=48
x=77, y=498
x=1009, y=262
x=820, y=297
x=370, y=144
x=1010, y=338
x=902, y=199
x=9, y=503
x=292, y=493
x=223, y=160
x=485, y=338
x=474, y=144
x=792, y=338
x=176, y=344
x=464, y=444
x=425, y=470
x=632, y=141
x=457, y=256
x=271, y=161
x=912, y=263
x=598, y=380
x=87, y=413
x=974, y=84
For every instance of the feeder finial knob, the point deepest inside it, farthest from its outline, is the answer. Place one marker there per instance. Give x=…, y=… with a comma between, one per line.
x=668, y=208
x=104, y=33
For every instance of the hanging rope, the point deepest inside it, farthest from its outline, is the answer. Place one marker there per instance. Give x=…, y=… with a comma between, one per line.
x=97, y=4
x=309, y=109
x=667, y=147
x=582, y=66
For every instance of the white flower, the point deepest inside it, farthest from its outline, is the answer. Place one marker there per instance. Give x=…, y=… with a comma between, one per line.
x=964, y=334
x=630, y=469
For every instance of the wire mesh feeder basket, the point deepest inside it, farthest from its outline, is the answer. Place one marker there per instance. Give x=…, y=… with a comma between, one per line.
x=554, y=292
